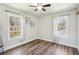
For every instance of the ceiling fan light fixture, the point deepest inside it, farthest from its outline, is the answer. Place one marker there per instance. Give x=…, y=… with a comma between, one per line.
x=39, y=7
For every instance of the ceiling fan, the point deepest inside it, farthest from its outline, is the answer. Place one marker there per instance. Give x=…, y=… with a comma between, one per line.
x=40, y=6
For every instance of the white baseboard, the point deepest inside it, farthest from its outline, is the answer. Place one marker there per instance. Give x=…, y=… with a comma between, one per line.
x=74, y=46
x=21, y=43
x=13, y=46
x=46, y=39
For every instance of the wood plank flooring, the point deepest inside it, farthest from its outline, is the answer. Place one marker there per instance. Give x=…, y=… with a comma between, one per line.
x=41, y=47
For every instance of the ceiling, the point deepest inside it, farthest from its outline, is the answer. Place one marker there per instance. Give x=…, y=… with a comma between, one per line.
x=55, y=7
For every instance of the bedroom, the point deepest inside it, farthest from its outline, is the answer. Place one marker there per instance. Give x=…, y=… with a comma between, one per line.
x=34, y=28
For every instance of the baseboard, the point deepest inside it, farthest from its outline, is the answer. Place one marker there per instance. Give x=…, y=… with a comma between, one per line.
x=21, y=43
x=46, y=39
x=66, y=44
x=13, y=46
x=60, y=43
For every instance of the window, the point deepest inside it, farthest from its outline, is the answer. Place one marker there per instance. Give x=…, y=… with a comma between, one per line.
x=60, y=26
x=15, y=26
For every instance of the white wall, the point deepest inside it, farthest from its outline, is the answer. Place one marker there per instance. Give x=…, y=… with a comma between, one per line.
x=45, y=30
x=72, y=29
x=29, y=33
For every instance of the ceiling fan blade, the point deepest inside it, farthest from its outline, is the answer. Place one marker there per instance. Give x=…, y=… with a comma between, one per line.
x=43, y=9
x=47, y=5
x=36, y=9
x=31, y=6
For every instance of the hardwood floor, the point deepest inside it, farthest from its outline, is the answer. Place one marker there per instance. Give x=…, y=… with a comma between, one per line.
x=41, y=47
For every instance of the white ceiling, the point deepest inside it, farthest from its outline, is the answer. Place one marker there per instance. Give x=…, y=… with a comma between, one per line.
x=55, y=7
